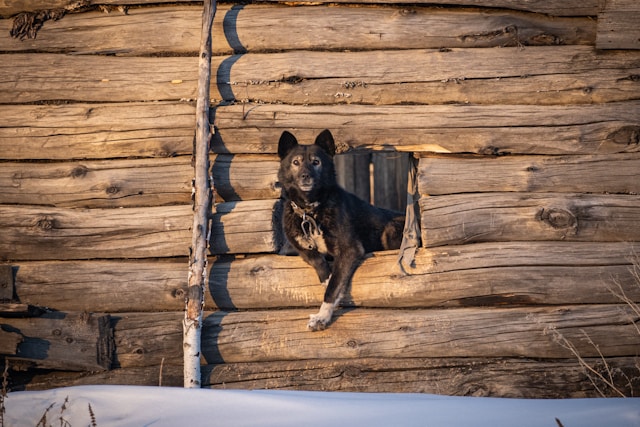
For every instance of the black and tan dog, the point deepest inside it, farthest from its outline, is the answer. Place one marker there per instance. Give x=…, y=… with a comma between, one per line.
x=322, y=220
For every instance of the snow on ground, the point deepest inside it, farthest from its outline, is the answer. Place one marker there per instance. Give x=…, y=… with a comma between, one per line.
x=125, y=406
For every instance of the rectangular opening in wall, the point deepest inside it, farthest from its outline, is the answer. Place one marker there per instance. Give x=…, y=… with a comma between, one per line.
x=379, y=177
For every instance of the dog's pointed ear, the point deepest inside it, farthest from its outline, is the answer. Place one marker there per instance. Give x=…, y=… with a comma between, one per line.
x=287, y=143
x=325, y=141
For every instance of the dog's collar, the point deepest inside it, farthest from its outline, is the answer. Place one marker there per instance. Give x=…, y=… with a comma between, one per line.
x=304, y=212
x=310, y=229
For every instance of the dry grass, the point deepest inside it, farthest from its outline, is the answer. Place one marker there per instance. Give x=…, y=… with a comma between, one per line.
x=607, y=380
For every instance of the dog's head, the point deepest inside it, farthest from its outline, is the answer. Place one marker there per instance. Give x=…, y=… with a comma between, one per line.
x=306, y=169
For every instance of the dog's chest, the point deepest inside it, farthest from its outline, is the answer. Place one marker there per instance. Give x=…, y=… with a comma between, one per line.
x=308, y=233
x=313, y=240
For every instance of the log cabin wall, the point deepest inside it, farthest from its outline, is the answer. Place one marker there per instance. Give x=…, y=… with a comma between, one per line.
x=523, y=118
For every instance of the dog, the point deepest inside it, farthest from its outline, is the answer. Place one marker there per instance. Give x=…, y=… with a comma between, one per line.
x=330, y=228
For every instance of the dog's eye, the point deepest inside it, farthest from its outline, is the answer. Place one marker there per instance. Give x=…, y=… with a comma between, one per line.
x=315, y=162
x=296, y=162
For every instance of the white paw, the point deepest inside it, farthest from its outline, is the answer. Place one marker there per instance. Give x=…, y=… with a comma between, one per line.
x=321, y=320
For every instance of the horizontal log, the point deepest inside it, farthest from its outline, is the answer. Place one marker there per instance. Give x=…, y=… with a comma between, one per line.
x=502, y=377
x=465, y=332
x=176, y=29
x=618, y=25
x=569, y=8
x=245, y=177
x=54, y=77
x=531, y=273
x=535, y=75
x=250, y=226
x=569, y=129
x=104, y=184
x=96, y=131
x=40, y=233
x=566, y=8
x=444, y=174
x=515, y=378
x=69, y=341
x=109, y=286
x=508, y=217
x=144, y=339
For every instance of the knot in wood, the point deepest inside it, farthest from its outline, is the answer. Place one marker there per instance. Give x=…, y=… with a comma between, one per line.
x=558, y=218
x=352, y=343
x=45, y=223
x=626, y=135
x=79, y=171
x=112, y=189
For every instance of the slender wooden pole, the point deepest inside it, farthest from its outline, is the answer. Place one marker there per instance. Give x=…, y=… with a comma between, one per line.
x=192, y=325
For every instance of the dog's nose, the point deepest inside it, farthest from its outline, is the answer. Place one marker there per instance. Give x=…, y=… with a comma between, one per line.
x=305, y=175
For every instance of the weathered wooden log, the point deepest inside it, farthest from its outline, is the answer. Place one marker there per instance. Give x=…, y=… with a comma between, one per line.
x=568, y=129
x=96, y=131
x=104, y=184
x=40, y=233
x=444, y=174
x=68, y=341
x=509, y=217
x=7, y=283
x=50, y=77
x=618, y=25
x=535, y=75
x=108, y=286
x=146, y=339
x=9, y=342
x=262, y=336
x=551, y=7
x=245, y=177
x=567, y=8
x=531, y=273
x=496, y=377
x=251, y=226
x=251, y=28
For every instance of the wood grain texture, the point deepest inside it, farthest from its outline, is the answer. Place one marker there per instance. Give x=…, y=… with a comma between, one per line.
x=259, y=28
x=55, y=77
x=618, y=25
x=245, y=177
x=445, y=174
x=550, y=7
x=262, y=336
x=549, y=75
x=503, y=377
x=109, y=286
x=469, y=218
x=41, y=233
x=570, y=129
x=70, y=341
x=527, y=273
x=96, y=131
x=568, y=8
x=104, y=184
x=544, y=75
x=250, y=226
x=495, y=377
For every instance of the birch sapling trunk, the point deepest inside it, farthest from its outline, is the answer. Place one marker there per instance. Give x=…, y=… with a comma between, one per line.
x=192, y=324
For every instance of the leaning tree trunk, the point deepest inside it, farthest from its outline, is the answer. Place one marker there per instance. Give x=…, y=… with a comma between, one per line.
x=192, y=325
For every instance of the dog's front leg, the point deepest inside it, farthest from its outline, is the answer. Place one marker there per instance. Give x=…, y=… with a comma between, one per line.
x=343, y=268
